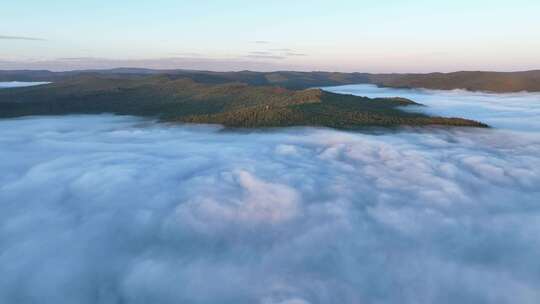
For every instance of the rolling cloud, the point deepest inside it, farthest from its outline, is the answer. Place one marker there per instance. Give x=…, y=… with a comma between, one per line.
x=111, y=209
x=18, y=84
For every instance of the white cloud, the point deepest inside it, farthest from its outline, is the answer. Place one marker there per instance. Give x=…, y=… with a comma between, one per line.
x=4, y=37
x=109, y=209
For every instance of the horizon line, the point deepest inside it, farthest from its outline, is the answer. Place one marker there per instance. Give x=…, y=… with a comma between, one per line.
x=259, y=71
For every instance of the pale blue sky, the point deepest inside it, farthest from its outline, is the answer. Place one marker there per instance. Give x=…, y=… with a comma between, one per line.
x=373, y=36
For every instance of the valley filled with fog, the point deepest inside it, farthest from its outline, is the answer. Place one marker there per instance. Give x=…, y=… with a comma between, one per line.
x=119, y=209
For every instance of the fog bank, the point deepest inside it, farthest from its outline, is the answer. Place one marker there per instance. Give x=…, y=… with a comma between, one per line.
x=111, y=209
x=18, y=84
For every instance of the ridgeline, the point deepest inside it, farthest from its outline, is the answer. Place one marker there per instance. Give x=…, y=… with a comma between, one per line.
x=499, y=82
x=233, y=104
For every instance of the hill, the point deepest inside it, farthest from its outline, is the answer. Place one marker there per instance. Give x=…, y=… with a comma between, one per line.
x=232, y=104
x=498, y=82
x=474, y=81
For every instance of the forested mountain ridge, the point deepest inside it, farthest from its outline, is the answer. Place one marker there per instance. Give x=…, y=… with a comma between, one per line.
x=469, y=80
x=235, y=104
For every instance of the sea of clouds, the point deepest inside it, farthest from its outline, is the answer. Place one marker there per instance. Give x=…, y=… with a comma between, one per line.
x=19, y=84
x=113, y=209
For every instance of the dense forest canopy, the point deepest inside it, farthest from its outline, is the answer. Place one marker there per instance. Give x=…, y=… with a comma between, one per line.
x=234, y=104
x=473, y=81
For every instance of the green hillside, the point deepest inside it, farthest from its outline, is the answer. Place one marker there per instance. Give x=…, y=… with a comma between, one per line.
x=234, y=104
x=470, y=80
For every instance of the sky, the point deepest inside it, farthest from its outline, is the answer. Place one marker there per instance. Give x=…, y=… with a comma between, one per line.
x=348, y=35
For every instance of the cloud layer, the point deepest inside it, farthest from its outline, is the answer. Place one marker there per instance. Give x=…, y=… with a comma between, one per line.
x=18, y=84
x=515, y=111
x=108, y=209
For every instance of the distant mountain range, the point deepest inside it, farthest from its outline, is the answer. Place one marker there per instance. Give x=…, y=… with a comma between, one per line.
x=474, y=81
x=242, y=100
